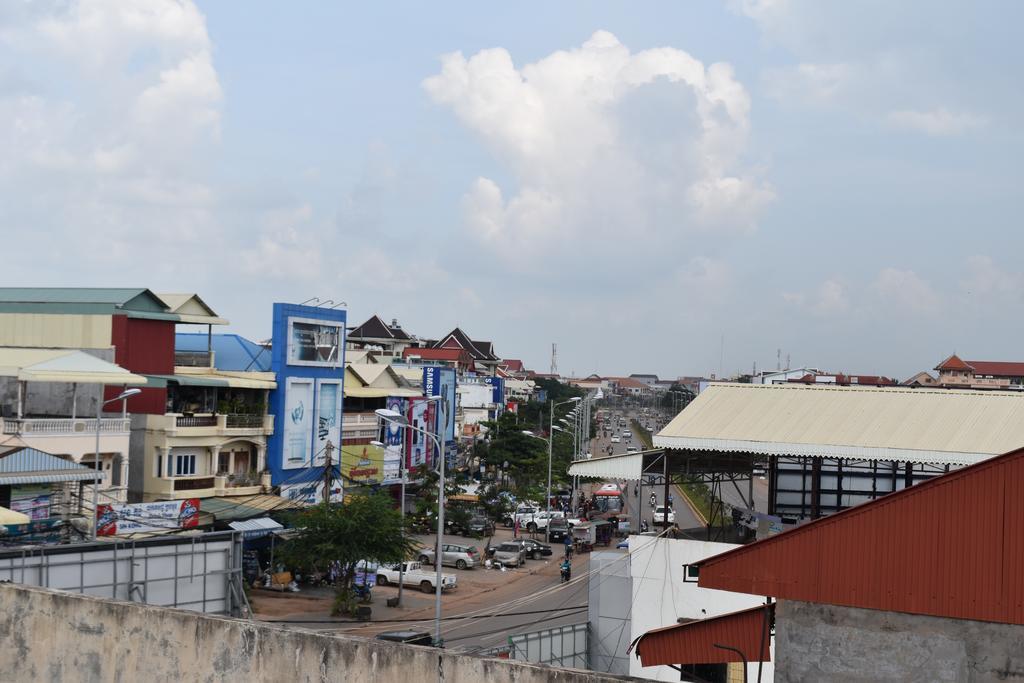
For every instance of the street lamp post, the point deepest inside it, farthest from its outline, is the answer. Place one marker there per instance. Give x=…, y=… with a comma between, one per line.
x=551, y=426
x=127, y=393
x=395, y=417
x=401, y=510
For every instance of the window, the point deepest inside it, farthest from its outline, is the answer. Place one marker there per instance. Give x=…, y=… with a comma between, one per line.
x=185, y=465
x=159, y=465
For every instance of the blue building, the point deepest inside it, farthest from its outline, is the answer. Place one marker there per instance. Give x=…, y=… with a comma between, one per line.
x=308, y=359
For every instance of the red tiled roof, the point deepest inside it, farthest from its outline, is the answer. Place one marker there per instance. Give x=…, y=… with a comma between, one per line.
x=628, y=383
x=512, y=364
x=694, y=642
x=459, y=355
x=953, y=363
x=948, y=547
x=997, y=368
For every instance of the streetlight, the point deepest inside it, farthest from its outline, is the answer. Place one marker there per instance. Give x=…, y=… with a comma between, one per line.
x=127, y=393
x=551, y=427
x=394, y=417
x=401, y=508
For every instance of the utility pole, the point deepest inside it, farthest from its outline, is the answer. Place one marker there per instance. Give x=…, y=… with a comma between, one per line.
x=328, y=471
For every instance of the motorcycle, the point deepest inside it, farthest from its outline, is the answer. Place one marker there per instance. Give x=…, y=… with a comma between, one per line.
x=566, y=573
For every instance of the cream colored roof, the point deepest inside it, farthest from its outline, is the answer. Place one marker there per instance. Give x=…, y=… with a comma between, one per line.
x=903, y=424
x=62, y=365
x=375, y=381
x=414, y=375
x=239, y=380
x=191, y=309
x=373, y=375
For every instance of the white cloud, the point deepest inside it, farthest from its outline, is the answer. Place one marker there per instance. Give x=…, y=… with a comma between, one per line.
x=829, y=298
x=602, y=143
x=936, y=122
x=985, y=278
x=809, y=84
x=105, y=142
x=906, y=290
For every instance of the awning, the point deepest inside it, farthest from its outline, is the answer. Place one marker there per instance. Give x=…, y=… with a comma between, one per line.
x=384, y=392
x=748, y=631
x=30, y=466
x=256, y=528
x=228, y=508
x=216, y=380
x=63, y=365
x=13, y=517
x=629, y=466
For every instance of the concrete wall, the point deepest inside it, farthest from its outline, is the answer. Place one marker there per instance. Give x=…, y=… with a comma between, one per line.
x=660, y=596
x=817, y=642
x=54, y=636
x=609, y=592
x=54, y=398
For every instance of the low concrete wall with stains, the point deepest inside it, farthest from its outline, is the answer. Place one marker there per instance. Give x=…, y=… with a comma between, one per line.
x=816, y=642
x=56, y=636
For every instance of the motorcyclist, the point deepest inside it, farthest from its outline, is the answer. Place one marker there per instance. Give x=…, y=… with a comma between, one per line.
x=566, y=568
x=654, y=500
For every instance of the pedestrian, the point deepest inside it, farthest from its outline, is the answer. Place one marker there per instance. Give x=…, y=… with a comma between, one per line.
x=515, y=529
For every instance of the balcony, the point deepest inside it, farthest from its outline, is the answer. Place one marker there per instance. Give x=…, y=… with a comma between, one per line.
x=205, y=486
x=192, y=483
x=64, y=426
x=209, y=424
x=359, y=426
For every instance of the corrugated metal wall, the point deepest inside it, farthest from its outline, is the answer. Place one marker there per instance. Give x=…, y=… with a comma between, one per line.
x=694, y=643
x=950, y=547
x=145, y=347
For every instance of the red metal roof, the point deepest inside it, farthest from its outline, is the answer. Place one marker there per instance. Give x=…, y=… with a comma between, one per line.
x=694, y=642
x=997, y=368
x=953, y=363
x=950, y=547
x=460, y=355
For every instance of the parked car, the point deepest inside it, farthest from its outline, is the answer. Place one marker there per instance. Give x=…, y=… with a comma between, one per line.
x=659, y=516
x=540, y=520
x=453, y=555
x=559, y=529
x=407, y=637
x=523, y=514
x=414, y=575
x=534, y=550
x=509, y=554
x=477, y=526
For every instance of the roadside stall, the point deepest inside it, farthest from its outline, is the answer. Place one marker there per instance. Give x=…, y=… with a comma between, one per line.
x=589, y=534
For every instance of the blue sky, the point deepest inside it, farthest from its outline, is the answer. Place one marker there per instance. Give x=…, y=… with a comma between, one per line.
x=634, y=181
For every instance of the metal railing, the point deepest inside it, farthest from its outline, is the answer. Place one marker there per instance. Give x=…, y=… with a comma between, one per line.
x=193, y=483
x=51, y=426
x=243, y=421
x=196, y=421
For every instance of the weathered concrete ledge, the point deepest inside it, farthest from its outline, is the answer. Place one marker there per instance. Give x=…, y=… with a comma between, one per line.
x=50, y=636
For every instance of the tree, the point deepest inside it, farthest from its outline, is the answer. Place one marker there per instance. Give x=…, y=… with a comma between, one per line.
x=363, y=528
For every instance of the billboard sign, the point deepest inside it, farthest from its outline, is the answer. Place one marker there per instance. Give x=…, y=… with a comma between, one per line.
x=438, y=381
x=316, y=343
x=418, y=446
x=328, y=417
x=362, y=464
x=497, y=389
x=298, y=423
x=392, y=468
x=115, y=519
x=392, y=431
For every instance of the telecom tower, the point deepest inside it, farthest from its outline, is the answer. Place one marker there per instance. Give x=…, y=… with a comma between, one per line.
x=554, y=359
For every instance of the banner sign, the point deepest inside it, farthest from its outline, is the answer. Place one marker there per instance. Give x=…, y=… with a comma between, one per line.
x=129, y=519
x=315, y=342
x=298, y=423
x=362, y=464
x=418, y=446
x=392, y=431
x=328, y=418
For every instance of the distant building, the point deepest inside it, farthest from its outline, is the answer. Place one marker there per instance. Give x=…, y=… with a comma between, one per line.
x=391, y=339
x=980, y=374
x=921, y=379
x=781, y=376
x=842, y=380
x=649, y=380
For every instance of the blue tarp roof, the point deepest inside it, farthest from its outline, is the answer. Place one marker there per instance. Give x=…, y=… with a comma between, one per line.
x=232, y=352
x=30, y=466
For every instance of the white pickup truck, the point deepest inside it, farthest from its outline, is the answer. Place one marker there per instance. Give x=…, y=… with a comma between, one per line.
x=415, y=575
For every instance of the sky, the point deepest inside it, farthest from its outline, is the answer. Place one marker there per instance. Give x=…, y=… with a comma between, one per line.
x=677, y=188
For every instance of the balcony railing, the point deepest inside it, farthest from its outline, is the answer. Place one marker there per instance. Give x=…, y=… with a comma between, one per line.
x=196, y=421
x=192, y=359
x=193, y=483
x=57, y=426
x=243, y=421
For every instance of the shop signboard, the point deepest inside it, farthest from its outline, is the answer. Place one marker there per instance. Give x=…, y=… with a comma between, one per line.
x=418, y=446
x=115, y=519
x=328, y=418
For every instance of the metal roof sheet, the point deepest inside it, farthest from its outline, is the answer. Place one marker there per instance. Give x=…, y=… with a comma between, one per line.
x=904, y=424
x=191, y=309
x=255, y=528
x=62, y=365
x=232, y=352
x=694, y=642
x=948, y=547
x=29, y=466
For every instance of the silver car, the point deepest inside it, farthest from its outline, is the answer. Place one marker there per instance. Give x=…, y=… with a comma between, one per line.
x=453, y=555
x=509, y=555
